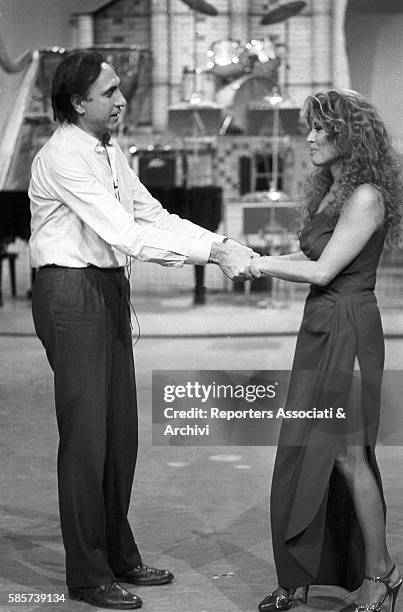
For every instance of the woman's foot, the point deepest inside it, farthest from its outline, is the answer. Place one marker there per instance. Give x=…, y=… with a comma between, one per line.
x=372, y=591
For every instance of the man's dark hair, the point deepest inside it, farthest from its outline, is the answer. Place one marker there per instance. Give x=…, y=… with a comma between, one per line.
x=74, y=76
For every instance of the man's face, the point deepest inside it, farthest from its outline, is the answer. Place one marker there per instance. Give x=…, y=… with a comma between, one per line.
x=99, y=112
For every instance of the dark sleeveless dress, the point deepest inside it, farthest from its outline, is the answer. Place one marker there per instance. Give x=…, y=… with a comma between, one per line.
x=316, y=536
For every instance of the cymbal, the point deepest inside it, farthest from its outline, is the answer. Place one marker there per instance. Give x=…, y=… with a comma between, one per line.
x=201, y=6
x=283, y=12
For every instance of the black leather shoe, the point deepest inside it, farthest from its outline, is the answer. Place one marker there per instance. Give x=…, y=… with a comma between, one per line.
x=146, y=576
x=111, y=595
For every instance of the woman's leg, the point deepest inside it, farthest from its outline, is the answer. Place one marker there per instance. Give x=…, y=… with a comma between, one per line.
x=367, y=500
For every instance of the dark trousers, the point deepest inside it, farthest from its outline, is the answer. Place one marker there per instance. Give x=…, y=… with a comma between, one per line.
x=82, y=317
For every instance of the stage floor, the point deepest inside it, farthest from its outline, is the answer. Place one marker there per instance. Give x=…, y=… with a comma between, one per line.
x=202, y=512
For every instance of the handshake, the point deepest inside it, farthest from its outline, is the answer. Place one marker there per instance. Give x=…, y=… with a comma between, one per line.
x=235, y=260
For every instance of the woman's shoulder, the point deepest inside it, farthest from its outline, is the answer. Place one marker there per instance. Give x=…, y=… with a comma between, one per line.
x=366, y=199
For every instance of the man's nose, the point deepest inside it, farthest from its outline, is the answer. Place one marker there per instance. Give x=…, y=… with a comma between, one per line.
x=120, y=99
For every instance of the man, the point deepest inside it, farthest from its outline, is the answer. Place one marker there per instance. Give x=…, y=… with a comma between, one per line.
x=89, y=214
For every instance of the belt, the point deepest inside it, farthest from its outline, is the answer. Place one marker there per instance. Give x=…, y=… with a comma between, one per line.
x=119, y=269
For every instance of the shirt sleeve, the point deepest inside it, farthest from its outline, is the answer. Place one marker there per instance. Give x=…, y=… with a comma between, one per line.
x=148, y=210
x=75, y=185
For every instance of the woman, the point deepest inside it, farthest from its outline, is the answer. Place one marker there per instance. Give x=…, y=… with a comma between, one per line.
x=327, y=505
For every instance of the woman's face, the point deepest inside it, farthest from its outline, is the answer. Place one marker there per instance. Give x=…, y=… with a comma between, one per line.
x=323, y=153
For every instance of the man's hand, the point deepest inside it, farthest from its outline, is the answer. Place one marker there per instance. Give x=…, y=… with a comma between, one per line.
x=234, y=260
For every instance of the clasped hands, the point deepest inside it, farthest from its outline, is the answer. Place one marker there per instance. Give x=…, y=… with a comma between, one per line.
x=235, y=260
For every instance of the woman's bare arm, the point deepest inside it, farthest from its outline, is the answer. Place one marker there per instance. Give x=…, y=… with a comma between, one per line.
x=297, y=256
x=359, y=219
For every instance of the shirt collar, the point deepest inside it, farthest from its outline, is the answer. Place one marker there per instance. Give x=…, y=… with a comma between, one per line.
x=93, y=143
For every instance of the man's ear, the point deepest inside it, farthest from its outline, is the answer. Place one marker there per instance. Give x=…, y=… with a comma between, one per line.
x=77, y=104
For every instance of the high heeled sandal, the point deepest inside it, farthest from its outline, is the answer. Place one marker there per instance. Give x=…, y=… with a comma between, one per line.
x=281, y=601
x=391, y=592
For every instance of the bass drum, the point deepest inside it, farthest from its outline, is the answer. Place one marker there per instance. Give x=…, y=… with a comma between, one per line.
x=238, y=95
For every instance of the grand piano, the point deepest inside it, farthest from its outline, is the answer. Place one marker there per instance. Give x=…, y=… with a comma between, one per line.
x=15, y=216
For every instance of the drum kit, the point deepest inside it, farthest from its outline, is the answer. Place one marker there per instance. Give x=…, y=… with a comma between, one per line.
x=230, y=59
x=236, y=74
x=237, y=70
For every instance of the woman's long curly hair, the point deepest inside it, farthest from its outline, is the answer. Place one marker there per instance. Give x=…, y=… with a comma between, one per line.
x=354, y=127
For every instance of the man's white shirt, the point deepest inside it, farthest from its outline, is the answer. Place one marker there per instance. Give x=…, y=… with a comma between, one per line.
x=78, y=220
